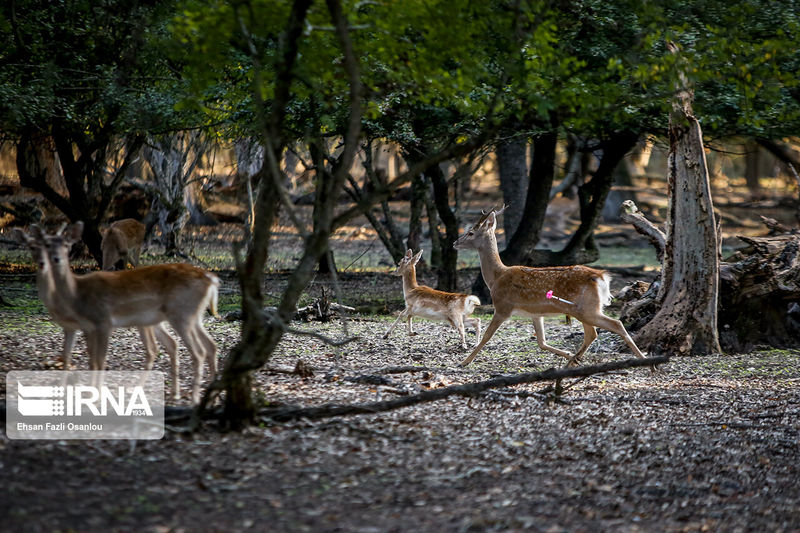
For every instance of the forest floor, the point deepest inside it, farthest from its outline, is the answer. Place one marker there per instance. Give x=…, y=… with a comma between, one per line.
x=704, y=444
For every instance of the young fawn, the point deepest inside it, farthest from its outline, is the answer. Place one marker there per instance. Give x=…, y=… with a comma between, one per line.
x=122, y=244
x=576, y=291
x=424, y=302
x=144, y=297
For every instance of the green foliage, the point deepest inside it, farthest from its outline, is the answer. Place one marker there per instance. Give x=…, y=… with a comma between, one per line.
x=88, y=67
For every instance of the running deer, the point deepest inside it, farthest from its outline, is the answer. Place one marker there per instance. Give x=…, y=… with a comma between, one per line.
x=46, y=287
x=143, y=297
x=424, y=302
x=576, y=291
x=122, y=244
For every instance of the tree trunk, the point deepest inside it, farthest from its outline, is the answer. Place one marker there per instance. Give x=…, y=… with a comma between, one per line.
x=759, y=294
x=261, y=332
x=686, y=321
x=593, y=194
x=512, y=166
x=621, y=178
x=89, y=196
x=447, y=276
x=433, y=227
x=752, y=161
x=520, y=248
x=417, y=204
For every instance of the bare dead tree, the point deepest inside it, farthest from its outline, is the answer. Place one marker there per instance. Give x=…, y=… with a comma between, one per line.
x=173, y=160
x=687, y=300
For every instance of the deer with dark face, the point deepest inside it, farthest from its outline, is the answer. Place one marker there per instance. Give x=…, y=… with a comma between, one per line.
x=425, y=302
x=577, y=291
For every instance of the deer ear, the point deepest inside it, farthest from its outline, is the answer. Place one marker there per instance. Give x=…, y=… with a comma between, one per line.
x=75, y=232
x=491, y=221
x=409, y=253
x=417, y=257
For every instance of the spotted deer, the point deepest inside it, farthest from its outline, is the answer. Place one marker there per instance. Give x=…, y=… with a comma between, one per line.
x=98, y=302
x=122, y=244
x=577, y=291
x=424, y=302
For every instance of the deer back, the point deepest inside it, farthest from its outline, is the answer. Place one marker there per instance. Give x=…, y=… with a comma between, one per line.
x=524, y=290
x=146, y=295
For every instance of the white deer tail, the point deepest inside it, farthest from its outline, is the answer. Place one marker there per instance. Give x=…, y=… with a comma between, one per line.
x=470, y=304
x=603, y=284
x=213, y=294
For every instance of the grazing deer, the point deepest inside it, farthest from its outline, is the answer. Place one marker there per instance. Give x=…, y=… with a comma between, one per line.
x=429, y=303
x=144, y=297
x=122, y=244
x=576, y=291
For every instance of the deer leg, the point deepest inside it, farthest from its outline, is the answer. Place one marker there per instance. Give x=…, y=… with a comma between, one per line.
x=458, y=323
x=411, y=331
x=589, y=335
x=394, y=324
x=538, y=325
x=497, y=319
x=135, y=257
x=474, y=323
x=97, y=346
x=186, y=333
x=69, y=344
x=615, y=326
x=210, y=348
x=171, y=347
x=149, y=341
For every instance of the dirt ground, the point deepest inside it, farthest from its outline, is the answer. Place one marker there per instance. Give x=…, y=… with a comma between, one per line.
x=706, y=444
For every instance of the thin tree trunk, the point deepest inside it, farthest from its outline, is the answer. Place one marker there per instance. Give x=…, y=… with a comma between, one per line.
x=446, y=274
x=593, y=195
x=751, y=163
x=512, y=166
x=524, y=240
x=417, y=203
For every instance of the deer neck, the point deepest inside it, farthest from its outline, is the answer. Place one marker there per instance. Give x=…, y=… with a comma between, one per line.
x=46, y=287
x=65, y=284
x=409, y=281
x=491, y=265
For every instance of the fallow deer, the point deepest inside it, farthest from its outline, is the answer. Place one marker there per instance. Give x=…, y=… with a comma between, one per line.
x=122, y=244
x=424, y=302
x=46, y=287
x=144, y=297
x=576, y=291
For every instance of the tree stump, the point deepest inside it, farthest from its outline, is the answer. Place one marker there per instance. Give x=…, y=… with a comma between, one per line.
x=759, y=298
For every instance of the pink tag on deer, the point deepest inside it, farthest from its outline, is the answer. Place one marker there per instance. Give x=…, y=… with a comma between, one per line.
x=549, y=295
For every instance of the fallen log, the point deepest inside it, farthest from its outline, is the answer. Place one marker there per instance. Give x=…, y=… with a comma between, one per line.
x=283, y=414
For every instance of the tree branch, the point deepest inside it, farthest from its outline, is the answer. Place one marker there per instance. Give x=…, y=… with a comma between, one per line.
x=469, y=389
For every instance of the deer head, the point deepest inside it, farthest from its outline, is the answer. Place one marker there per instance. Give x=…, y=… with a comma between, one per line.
x=482, y=230
x=408, y=261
